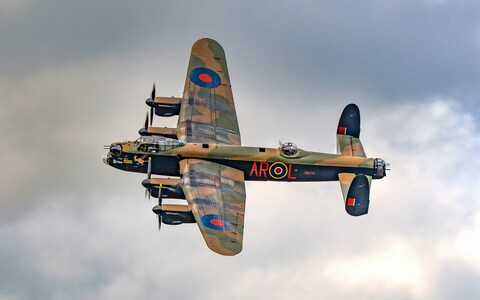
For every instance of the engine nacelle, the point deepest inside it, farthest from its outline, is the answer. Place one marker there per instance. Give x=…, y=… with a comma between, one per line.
x=174, y=214
x=162, y=131
x=165, y=106
x=170, y=187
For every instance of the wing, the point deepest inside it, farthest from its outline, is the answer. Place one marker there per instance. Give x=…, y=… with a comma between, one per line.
x=207, y=112
x=216, y=195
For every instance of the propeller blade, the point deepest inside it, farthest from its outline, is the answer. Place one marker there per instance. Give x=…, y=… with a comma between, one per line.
x=147, y=194
x=149, y=168
x=153, y=92
x=160, y=198
x=152, y=109
x=151, y=115
x=160, y=204
x=146, y=121
x=149, y=175
x=158, y=211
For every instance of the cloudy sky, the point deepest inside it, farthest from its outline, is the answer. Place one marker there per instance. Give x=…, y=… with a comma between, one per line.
x=74, y=76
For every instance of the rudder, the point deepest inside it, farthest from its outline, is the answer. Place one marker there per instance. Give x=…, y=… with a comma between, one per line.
x=356, y=193
x=348, y=132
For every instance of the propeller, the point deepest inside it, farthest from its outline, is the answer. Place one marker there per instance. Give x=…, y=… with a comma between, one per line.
x=160, y=196
x=152, y=96
x=149, y=175
x=146, y=122
x=160, y=204
x=144, y=130
x=149, y=167
x=158, y=211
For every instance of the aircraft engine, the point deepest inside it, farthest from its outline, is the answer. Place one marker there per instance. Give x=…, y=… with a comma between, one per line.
x=170, y=187
x=164, y=106
x=162, y=131
x=174, y=214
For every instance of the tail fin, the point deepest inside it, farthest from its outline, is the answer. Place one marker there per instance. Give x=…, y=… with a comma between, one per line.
x=356, y=193
x=348, y=133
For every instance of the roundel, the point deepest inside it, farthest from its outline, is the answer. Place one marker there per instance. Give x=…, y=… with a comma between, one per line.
x=205, y=78
x=216, y=222
x=278, y=170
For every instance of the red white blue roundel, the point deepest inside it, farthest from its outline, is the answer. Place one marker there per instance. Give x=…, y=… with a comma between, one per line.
x=205, y=78
x=278, y=170
x=216, y=222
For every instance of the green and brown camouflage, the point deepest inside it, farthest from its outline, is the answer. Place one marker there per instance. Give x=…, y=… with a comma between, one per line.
x=255, y=162
x=349, y=146
x=348, y=133
x=213, y=189
x=205, y=155
x=206, y=113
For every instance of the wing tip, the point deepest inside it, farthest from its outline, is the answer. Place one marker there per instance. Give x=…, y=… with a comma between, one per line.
x=210, y=43
x=223, y=250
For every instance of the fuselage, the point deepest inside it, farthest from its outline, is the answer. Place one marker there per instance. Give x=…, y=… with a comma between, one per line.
x=257, y=163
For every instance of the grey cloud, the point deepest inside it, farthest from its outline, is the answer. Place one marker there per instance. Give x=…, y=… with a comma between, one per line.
x=457, y=280
x=400, y=50
x=76, y=79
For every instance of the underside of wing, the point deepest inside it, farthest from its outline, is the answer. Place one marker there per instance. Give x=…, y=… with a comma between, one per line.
x=207, y=112
x=216, y=195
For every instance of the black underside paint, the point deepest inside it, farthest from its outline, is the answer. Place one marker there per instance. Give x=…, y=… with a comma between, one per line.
x=255, y=171
x=357, y=201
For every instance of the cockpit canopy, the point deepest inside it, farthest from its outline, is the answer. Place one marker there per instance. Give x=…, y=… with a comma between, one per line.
x=157, y=143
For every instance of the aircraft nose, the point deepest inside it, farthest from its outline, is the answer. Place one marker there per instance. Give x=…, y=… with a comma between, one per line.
x=106, y=157
x=116, y=149
x=112, y=149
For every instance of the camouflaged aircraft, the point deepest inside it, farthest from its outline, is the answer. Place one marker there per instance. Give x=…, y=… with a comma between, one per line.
x=210, y=166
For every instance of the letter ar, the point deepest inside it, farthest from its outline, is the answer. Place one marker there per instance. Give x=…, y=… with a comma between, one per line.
x=254, y=169
x=263, y=169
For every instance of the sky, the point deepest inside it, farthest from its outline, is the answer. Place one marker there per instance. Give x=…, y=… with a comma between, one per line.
x=74, y=76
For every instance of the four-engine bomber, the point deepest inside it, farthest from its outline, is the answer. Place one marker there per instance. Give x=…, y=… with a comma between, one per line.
x=207, y=166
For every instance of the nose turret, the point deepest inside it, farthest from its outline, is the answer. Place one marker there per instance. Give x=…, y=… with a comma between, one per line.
x=114, y=150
